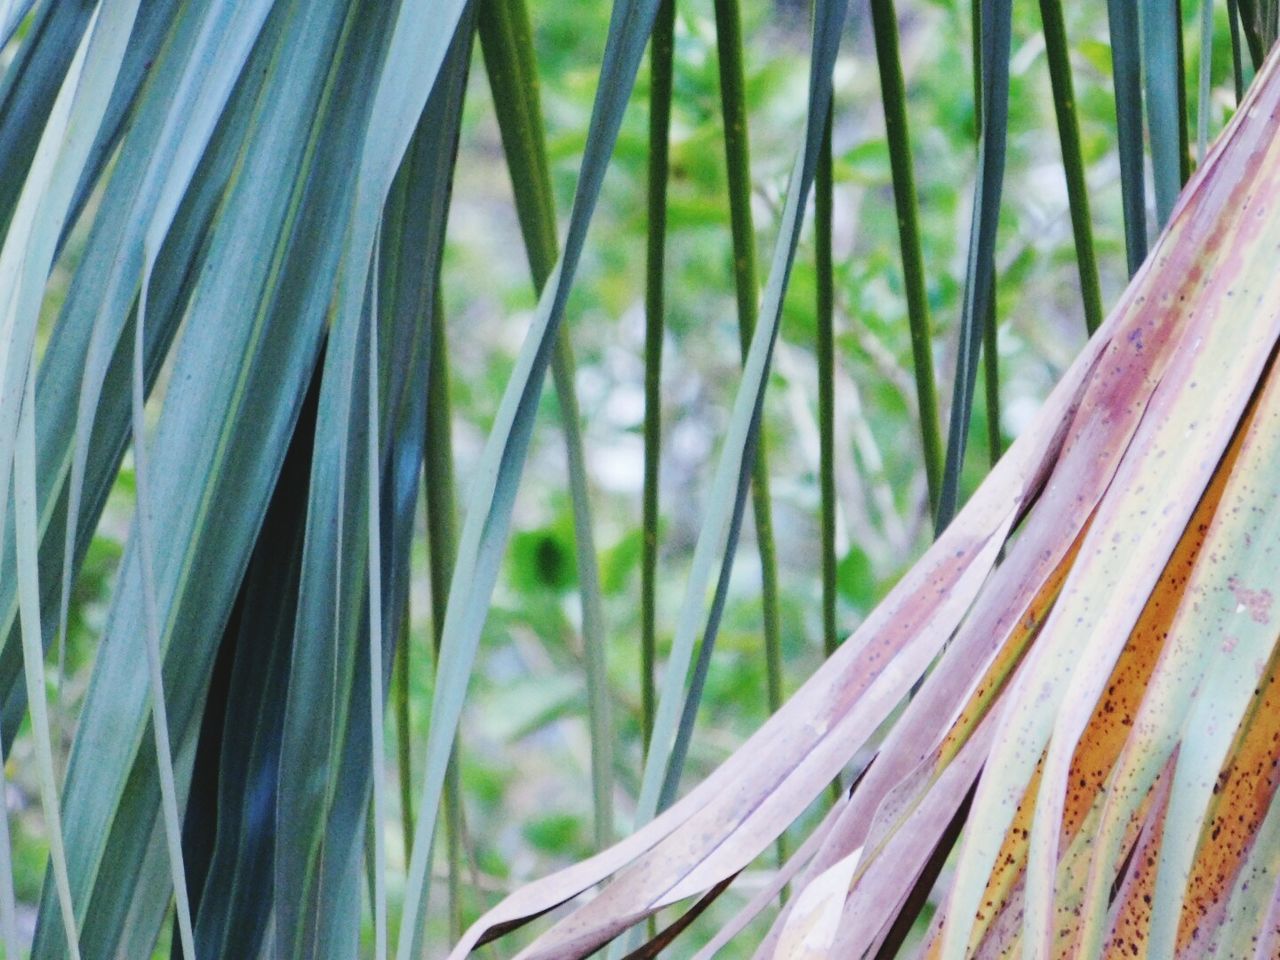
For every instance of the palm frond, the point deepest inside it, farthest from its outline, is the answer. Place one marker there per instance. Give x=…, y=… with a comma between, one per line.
x=1057, y=733
x=1125, y=632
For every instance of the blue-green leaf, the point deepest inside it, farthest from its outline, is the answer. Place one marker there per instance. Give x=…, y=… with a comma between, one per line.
x=497, y=477
x=1126, y=68
x=1161, y=29
x=980, y=270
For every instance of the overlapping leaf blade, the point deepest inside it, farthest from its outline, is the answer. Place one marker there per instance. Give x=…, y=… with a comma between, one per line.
x=722, y=824
x=493, y=493
x=1102, y=597
x=265, y=368
x=329, y=737
x=64, y=364
x=978, y=310
x=1126, y=61
x=504, y=36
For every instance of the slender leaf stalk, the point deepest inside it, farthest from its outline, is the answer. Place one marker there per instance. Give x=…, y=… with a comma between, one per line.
x=593, y=630
x=377, y=696
x=562, y=371
x=1237, y=65
x=978, y=308
x=661, y=54
x=823, y=201
x=991, y=381
x=1251, y=23
x=975, y=55
x=733, y=105
x=990, y=331
x=441, y=551
x=1064, y=104
x=1184, y=134
x=404, y=736
x=1206, y=79
x=506, y=40
x=702, y=666
x=661, y=69
x=884, y=21
x=823, y=189
x=1126, y=68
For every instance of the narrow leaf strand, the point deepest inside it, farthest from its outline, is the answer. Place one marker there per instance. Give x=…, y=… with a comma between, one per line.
x=24, y=502
x=441, y=551
x=1126, y=68
x=1064, y=104
x=155, y=661
x=377, y=699
x=505, y=37
x=884, y=22
x=661, y=51
x=977, y=311
x=733, y=106
x=1237, y=64
x=822, y=196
